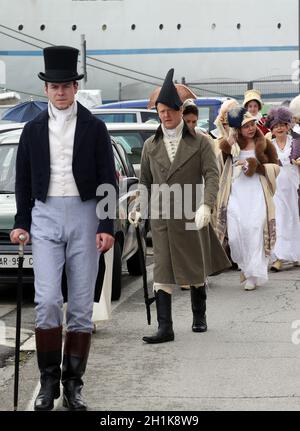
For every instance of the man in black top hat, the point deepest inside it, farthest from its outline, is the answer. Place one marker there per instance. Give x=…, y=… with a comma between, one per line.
x=64, y=154
x=184, y=252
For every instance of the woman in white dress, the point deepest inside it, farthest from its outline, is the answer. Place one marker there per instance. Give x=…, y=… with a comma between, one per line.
x=245, y=206
x=287, y=246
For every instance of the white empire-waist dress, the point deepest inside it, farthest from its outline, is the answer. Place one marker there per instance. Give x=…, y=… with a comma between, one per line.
x=287, y=246
x=246, y=215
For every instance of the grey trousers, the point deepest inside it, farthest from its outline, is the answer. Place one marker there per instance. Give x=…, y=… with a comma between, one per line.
x=63, y=231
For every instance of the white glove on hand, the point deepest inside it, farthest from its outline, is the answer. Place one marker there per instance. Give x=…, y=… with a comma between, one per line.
x=134, y=217
x=203, y=216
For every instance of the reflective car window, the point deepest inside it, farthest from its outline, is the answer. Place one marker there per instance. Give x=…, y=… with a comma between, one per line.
x=150, y=117
x=117, y=117
x=132, y=142
x=8, y=155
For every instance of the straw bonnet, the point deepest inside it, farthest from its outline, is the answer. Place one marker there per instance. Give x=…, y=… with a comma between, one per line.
x=188, y=102
x=252, y=95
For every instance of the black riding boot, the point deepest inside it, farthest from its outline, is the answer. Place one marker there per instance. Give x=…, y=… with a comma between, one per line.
x=48, y=346
x=76, y=352
x=198, y=298
x=164, y=318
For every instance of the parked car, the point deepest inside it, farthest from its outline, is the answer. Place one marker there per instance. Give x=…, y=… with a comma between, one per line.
x=132, y=137
x=125, y=248
x=208, y=108
x=125, y=115
x=7, y=126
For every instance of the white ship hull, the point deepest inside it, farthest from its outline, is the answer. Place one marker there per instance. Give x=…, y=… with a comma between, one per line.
x=199, y=38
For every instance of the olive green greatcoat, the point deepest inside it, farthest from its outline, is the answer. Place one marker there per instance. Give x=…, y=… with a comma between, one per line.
x=182, y=256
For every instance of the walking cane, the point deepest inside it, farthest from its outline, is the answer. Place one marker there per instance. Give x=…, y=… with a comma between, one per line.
x=148, y=301
x=22, y=238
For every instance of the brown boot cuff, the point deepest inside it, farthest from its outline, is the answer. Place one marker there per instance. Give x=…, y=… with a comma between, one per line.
x=77, y=344
x=48, y=340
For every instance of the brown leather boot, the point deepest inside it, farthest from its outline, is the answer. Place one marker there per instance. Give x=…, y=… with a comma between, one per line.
x=48, y=347
x=76, y=352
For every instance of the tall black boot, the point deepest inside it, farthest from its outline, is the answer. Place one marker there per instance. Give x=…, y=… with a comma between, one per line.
x=198, y=298
x=48, y=346
x=164, y=318
x=76, y=352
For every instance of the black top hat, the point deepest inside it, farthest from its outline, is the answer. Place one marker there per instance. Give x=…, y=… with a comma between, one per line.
x=168, y=94
x=60, y=64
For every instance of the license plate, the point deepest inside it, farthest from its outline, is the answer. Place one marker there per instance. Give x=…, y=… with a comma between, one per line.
x=11, y=261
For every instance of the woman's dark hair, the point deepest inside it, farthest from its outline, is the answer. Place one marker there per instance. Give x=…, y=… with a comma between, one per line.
x=191, y=109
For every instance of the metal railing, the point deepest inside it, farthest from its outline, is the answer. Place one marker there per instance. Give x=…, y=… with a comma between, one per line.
x=278, y=88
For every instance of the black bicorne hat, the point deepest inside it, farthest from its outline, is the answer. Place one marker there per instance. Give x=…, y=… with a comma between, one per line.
x=168, y=94
x=60, y=64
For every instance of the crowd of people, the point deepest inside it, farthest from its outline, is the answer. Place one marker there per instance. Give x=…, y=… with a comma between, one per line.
x=245, y=142
x=255, y=211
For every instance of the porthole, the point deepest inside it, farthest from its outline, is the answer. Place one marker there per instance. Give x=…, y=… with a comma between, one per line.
x=132, y=26
x=213, y=26
x=279, y=25
x=178, y=26
x=74, y=27
x=104, y=27
x=161, y=26
x=42, y=27
x=238, y=26
x=20, y=27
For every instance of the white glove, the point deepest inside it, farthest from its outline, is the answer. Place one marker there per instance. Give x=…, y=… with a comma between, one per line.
x=134, y=217
x=202, y=216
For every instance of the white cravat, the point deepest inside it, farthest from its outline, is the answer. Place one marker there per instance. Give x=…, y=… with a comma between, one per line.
x=62, y=124
x=171, y=138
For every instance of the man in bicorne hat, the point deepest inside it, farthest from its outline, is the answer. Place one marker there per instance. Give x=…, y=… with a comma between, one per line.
x=176, y=157
x=64, y=154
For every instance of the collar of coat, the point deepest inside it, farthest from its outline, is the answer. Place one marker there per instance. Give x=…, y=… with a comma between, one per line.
x=83, y=115
x=185, y=131
x=40, y=125
x=186, y=149
x=265, y=151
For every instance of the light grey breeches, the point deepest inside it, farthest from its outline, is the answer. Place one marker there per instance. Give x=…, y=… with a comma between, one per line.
x=63, y=232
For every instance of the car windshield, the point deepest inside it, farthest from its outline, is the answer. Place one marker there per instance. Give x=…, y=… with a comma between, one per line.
x=132, y=142
x=7, y=168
